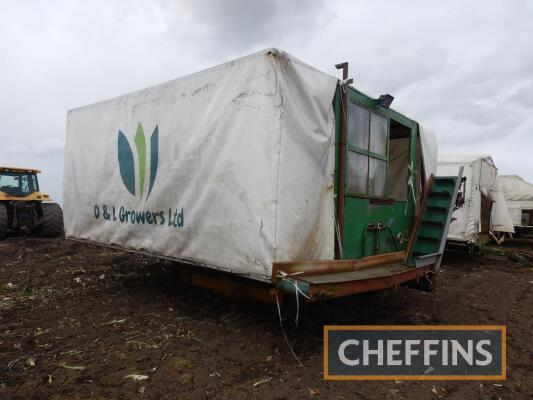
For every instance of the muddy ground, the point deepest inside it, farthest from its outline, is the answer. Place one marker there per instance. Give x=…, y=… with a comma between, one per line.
x=76, y=320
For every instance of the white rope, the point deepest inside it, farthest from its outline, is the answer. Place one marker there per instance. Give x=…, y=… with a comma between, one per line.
x=410, y=185
x=287, y=277
x=344, y=83
x=338, y=232
x=300, y=364
x=297, y=305
x=343, y=88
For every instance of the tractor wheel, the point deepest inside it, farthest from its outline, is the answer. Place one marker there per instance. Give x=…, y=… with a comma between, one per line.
x=52, y=225
x=3, y=221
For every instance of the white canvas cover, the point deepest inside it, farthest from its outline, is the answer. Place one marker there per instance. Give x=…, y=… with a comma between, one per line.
x=518, y=195
x=428, y=141
x=231, y=167
x=480, y=172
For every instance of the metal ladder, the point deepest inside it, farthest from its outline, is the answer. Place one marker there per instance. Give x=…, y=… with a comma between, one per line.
x=433, y=228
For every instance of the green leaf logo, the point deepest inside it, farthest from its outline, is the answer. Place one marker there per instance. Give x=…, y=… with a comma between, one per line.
x=127, y=164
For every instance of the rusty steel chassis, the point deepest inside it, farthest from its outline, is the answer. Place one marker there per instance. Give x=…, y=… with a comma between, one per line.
x=328, y=290
x=238, y=287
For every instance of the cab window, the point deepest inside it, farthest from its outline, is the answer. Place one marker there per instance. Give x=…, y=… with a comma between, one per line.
x=367, y=135
x=17, y=183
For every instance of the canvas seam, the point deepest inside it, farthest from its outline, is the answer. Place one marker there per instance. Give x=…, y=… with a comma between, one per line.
x=281, y=83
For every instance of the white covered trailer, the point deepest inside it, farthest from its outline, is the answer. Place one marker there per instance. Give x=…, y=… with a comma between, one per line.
x=237, y=167
x=518, y=195
x=231, y=167
x=484, y=214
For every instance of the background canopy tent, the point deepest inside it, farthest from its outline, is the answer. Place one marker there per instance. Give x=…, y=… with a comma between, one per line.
x=519, y=198
x=484, y=212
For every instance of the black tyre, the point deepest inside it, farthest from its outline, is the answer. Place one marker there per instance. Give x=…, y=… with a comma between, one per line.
x=3, y=221
x=52, y=225
x=426, y=283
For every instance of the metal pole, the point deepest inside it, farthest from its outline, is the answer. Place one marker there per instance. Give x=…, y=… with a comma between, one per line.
x=342, y=157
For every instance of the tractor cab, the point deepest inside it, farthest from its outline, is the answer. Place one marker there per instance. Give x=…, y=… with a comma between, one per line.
x=20, y=184
x=23, y=208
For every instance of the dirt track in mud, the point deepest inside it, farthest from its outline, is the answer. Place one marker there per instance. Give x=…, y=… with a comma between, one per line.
x=76, y=320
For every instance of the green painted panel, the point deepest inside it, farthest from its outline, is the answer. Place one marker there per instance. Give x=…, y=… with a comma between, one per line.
x=359, y=212
x=373, y=105
x=425, y=245
x=431, y=230
x=438, y=203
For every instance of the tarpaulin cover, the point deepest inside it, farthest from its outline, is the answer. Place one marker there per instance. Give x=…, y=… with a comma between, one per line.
x=230, y=168
x=518, y=195
x=480, y=172
x=428, y=140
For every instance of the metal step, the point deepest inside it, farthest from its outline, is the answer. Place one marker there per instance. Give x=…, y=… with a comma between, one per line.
x=435, y=221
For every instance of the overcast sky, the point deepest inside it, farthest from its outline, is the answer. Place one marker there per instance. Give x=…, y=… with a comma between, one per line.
x=463, y=69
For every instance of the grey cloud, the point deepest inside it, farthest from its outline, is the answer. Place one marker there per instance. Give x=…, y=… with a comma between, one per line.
x=241, y=25
x=47, y=148
x=523, y=95
x=461, y=68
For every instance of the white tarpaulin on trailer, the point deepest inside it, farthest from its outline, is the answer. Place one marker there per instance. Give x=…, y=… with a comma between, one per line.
x=231, y=167
x=480, y=173
x=428, y=141
x=518, y=195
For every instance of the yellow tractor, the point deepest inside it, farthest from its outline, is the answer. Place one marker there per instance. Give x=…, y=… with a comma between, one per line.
x=23, y=208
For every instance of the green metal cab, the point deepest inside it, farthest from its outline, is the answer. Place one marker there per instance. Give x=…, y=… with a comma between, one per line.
x=382, y=182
